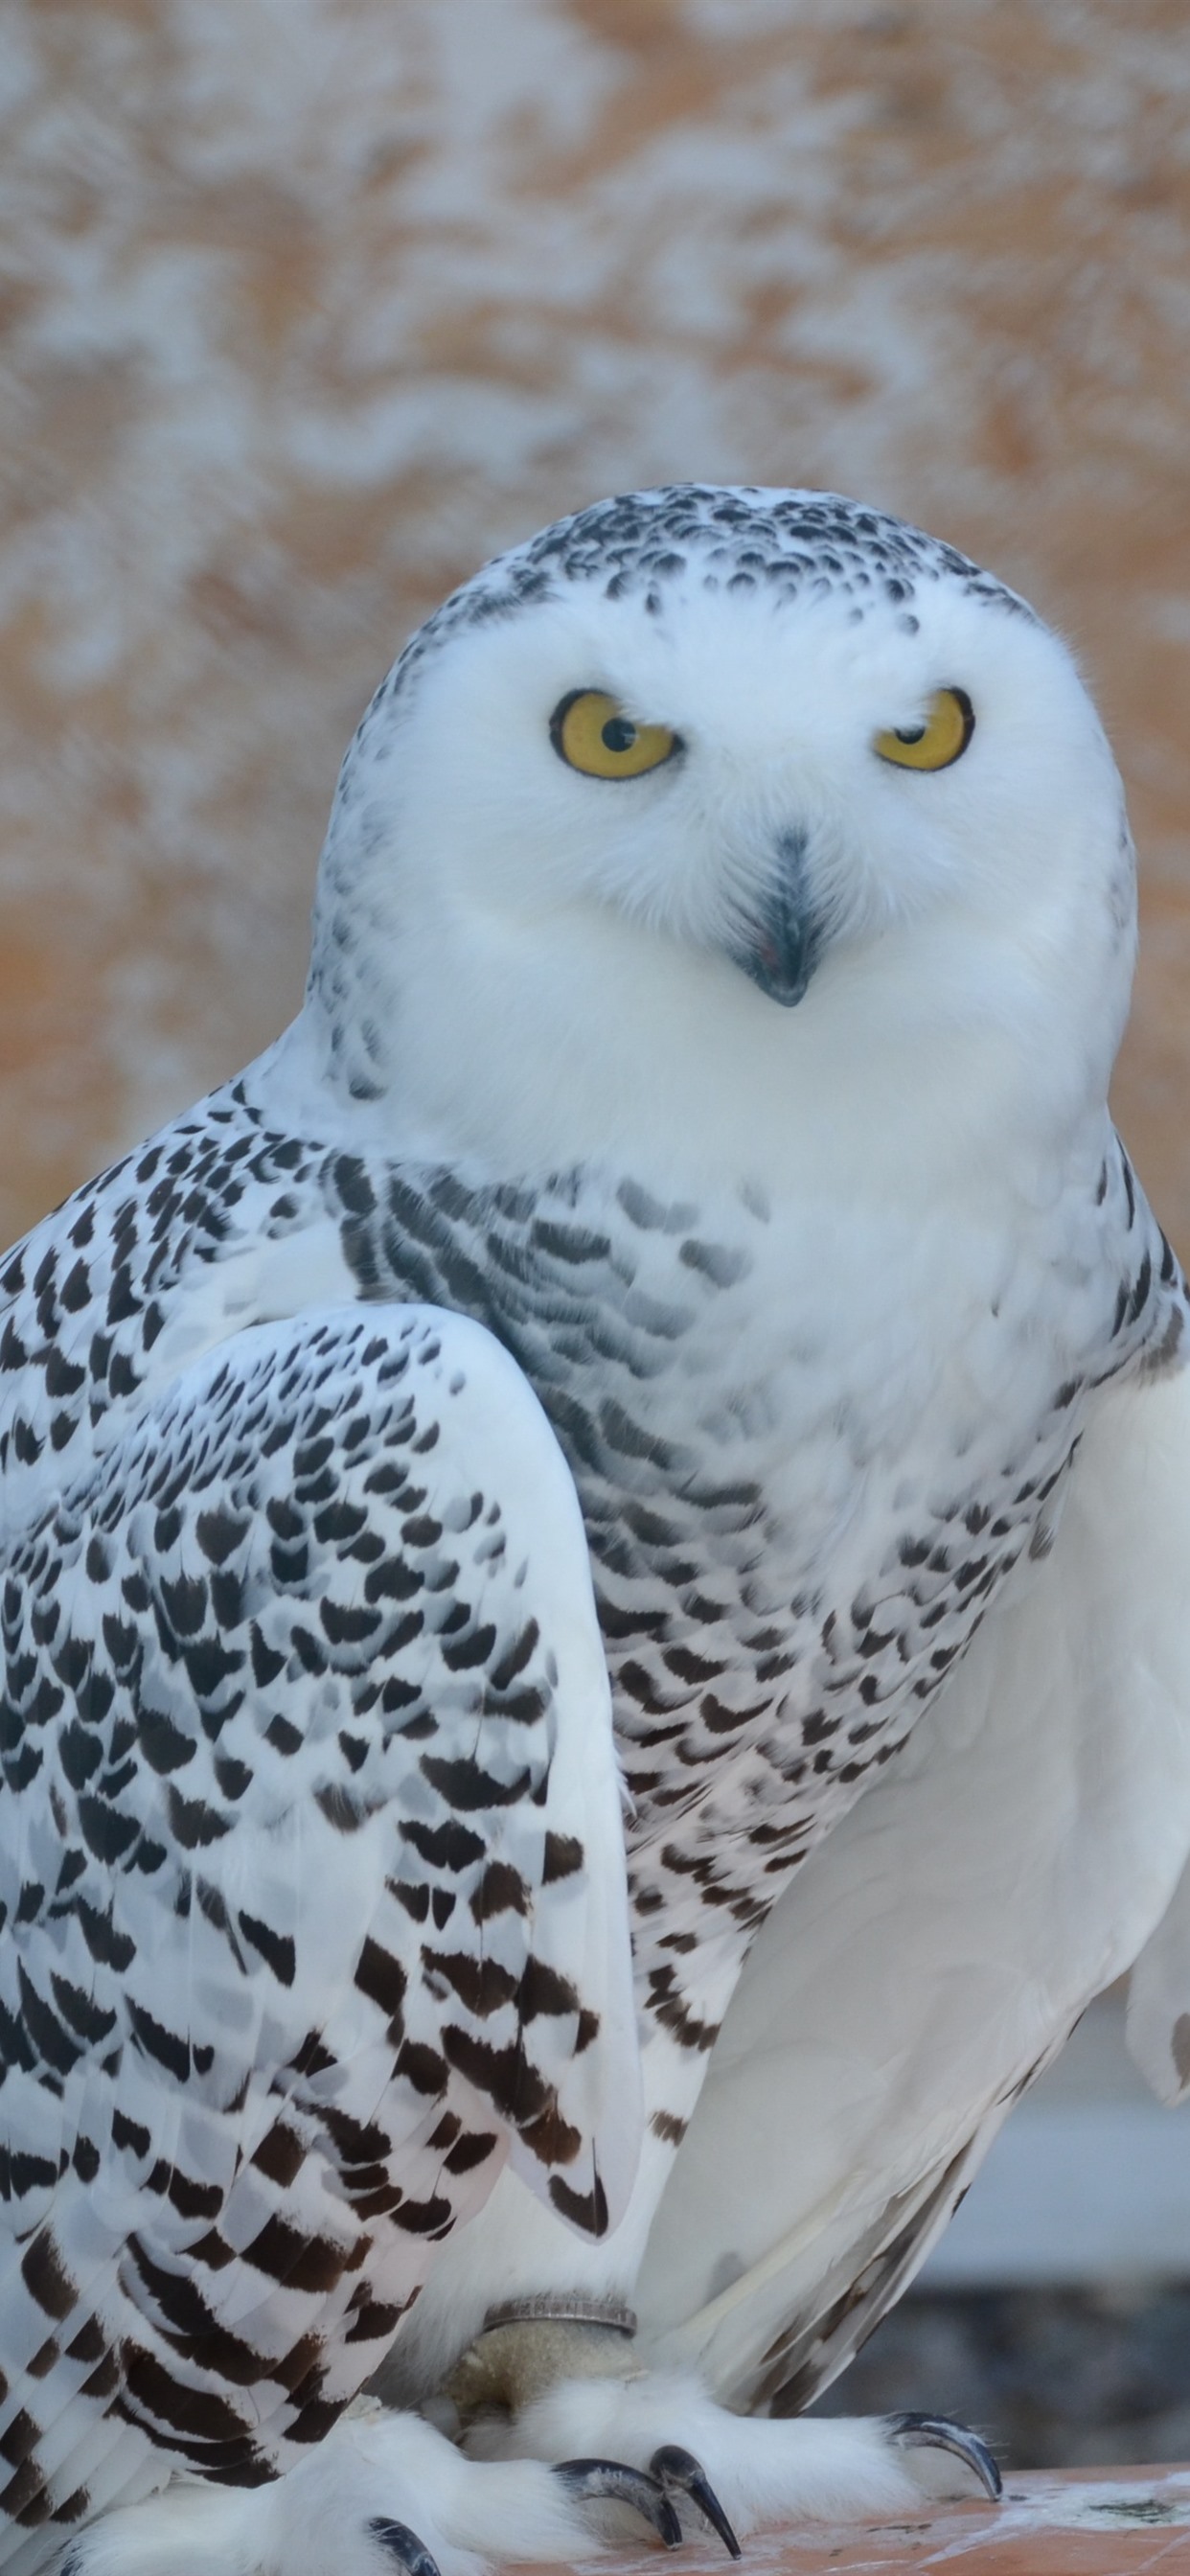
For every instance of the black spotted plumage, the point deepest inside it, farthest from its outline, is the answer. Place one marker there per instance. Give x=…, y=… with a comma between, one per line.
x=810, y=1691
x=314, y=1882
x=174, y=1719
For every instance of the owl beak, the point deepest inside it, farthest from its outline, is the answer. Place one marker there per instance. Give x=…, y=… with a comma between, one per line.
x=786, y=940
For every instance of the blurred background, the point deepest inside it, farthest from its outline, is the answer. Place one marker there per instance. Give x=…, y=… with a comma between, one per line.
x=308, y=306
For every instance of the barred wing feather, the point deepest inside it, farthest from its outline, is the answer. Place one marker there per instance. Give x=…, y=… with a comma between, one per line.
x=312, y=1863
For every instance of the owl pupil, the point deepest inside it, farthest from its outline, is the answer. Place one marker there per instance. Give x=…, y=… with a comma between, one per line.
x=618, y=734
x=910, y=733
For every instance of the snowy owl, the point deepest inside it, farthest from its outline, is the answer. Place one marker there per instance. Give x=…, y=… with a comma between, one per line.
x=594, y=1555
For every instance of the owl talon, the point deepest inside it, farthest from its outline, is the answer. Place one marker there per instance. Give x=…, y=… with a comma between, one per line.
x=936, y=2432
x=404, y=2545
x=674, y=2467
x=634, y=2487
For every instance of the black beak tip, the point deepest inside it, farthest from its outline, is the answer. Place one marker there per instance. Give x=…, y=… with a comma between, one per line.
x=781, y=948
x=778, y=980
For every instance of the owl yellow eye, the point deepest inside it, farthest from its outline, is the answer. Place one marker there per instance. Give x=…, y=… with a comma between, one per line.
x=590, y=732
x=948, y=727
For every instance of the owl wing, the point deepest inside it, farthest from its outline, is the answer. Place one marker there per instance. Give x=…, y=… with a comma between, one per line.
x=312, y=1872
x=939, y=1945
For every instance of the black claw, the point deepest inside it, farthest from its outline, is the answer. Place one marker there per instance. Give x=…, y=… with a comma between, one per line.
x=675, y=2467
x=404, y=2545
x=936, y=2432
x=614, y=2478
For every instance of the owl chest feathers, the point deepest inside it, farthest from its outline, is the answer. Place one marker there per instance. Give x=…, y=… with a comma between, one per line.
x=809, y=1441
x=809, y=1445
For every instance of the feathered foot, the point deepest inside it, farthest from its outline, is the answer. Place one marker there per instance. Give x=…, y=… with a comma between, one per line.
x=382, y=2492
x=743, y=2471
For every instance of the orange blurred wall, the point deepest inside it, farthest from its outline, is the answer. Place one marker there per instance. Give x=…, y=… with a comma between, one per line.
x=308, y=305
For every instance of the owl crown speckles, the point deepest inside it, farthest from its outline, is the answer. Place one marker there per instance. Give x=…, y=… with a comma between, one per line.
x=747, y=539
